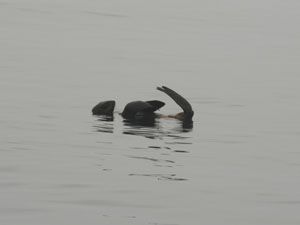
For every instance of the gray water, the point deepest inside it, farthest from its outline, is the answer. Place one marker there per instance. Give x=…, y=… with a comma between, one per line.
x=237, y=62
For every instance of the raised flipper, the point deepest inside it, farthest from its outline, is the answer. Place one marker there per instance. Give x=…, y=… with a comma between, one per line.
x=181, y=101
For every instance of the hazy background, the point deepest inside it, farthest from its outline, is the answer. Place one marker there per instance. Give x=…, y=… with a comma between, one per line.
x=237, y=62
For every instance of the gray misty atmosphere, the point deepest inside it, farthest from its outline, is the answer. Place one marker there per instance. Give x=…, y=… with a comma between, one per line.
x=236, y=63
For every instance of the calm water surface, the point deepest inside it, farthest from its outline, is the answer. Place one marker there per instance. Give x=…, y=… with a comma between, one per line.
x=236, y=62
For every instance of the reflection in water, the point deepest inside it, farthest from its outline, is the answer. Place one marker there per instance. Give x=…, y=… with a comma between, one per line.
x=171, y=177
x=152, y=159
x=149, y=128
x=180, y=151
x=168, y=137
x=149, y=122
x=153, y=129
x=105, y=125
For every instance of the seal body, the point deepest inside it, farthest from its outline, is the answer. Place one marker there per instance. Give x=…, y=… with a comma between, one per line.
x=145, y=110
x=141, y=109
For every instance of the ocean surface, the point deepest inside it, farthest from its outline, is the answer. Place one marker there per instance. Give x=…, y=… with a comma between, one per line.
x=237, y=62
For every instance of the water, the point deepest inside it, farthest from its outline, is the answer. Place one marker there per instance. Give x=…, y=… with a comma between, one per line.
x=236, y=62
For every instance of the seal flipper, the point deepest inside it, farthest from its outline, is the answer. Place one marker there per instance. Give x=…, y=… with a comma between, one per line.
x=155, y=105
x=181, y=101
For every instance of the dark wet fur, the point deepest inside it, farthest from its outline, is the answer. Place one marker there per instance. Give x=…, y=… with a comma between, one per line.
x=104, y=108
x=145, y=110
x=140, y=109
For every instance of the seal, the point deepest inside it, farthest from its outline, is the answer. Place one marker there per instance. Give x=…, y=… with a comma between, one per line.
x=141, y=109
x=146, y=109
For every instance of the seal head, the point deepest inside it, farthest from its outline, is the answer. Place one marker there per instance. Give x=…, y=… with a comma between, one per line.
x=104, y=108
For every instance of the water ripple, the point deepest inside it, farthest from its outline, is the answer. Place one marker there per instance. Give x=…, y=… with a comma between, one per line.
x=167, y=177
x=151, y=159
